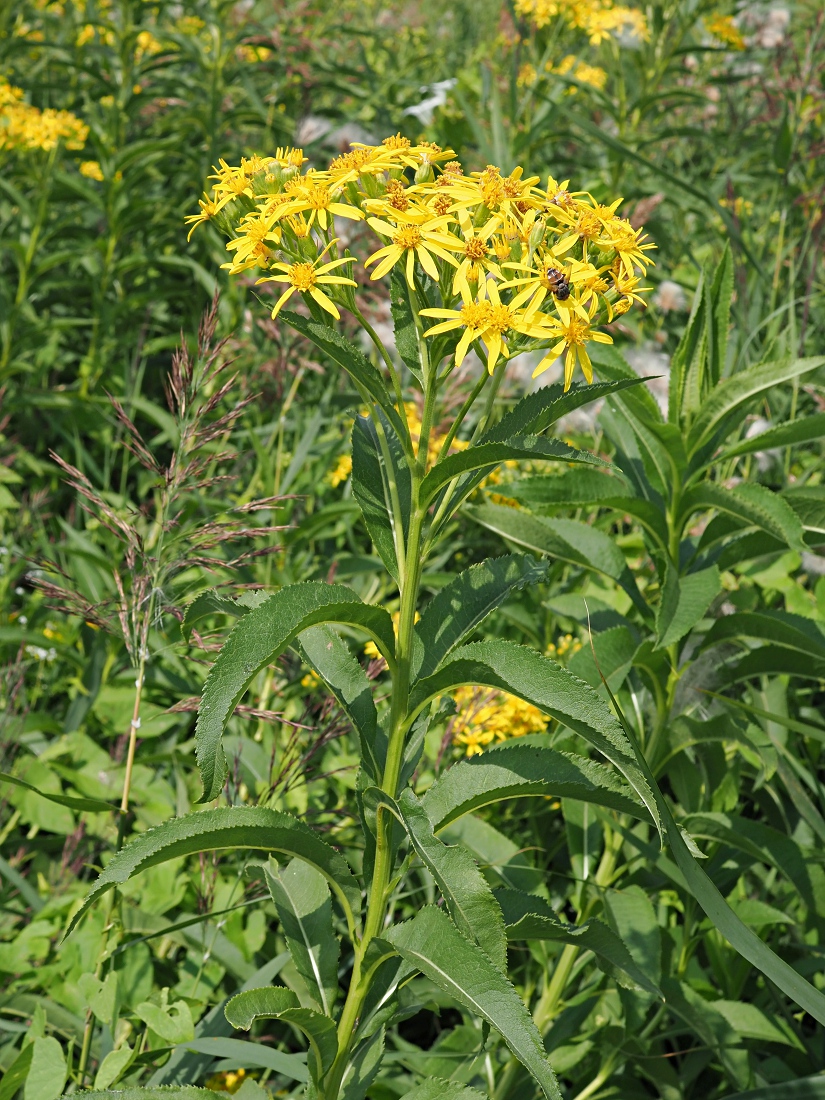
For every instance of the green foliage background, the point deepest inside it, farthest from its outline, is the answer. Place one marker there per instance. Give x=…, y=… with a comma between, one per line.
x=712, y=149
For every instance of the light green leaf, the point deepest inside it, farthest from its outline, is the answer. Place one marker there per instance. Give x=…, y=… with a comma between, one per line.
x=246, y=827
x=301, y=896
x=752, y=1023
x=174, y=1024
x=48, y=1071
x=530, y=918
x=633, y=918
x=804, y=430
x=684, y=602
x=100, y=996
x=256, y=641
x=555, y=691
x=435, y=1088
x=113, y=1066
x=753, y=505
x=465, y=890
x=74, y=802
x=370, y=487
x=778, y=627
x=16, y=1074
x=522, y=767
x=537, y=411
x=330, y=657
x=465, y=602
x=485, y=456
x=158, y=1092
x=363, y=1066
x=565, y=487
x=730, y=398
x=433, y=944
x=281, y=1004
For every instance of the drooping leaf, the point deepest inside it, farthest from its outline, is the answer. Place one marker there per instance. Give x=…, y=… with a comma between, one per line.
x=778, y=627
x=531, y=918
x=74, y=802
x=370, y=487
x=540, y=681
x=465, y=602
x=301, y=896
x=684, y=601
x=433, y=944
x=246, y=827
x=246, y=1055
x=804, y=430
x=563, y=539
x=276, y=1003
x=466, y=892
x=367, y=378
x=729, y=399
x=330, y=657
x=522, y=767
x=486, y=456
x=537, y=411
x=256, y=641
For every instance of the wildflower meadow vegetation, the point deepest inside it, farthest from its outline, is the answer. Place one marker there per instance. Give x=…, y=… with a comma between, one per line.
x=412, y=550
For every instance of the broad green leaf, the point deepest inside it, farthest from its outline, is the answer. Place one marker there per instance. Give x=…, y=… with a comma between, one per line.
x=465, y=890
x=808, y=502
x=611, y=364
x=330, y=656
x=518, y=768
x=633, y=918
x=205, y=606
x=537, y=411
x=113, y=1066
x=301, y=896
x=686, y=351
x=555, y=691
x=100, y=996
x=276, y=1003
x=367, y=378
x=370, y=487
x=804, y=430
x=256, y=641
x=531, y=918
x=706, y=893
x=465, y=602
x=684, y=601
x=74, y=802
x=565, y=487
x=246, y=827
x=751, y=1022
x=174, y=1023
x=728, y=400
x=433, y=944
x=563, y=539
x=778, y=627
x=772, y=660
x=16, y=1074
x=753, y=505
x=363, y=1066
x=608, y=653
x=48, y=1071
x=436, y=1088
x=486, y=456
x=157, y=1092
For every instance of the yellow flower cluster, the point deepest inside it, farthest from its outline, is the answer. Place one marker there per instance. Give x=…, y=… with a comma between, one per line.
x=226, y=1080
x=340, y=471
x=519, y=266
x=25, y=127
x=486, y=717
x=581, y=71
x=599, y=19
x=566, y=646
x=724, y=28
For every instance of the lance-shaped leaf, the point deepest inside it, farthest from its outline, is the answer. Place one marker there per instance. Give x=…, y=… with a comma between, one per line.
x=565, y=486
x=563, y=539
x=367, y=378
x=436, y=1088
x=728, y=400
x=804, y=430
x=301, y=896
x=465, y=890
x=248, y=827
x=524, y=767
x=256, y=641
x=330, y=657
x=157, y=1092
x=208, y=604
x=488, y=455
x=433, y=944
x=706, y=893
x=465, y=602
x=74, y=802
x=530, y=918
x=555, y=691
x=778, y=627
x=808, y=502
x=276, y=1003
x=753, y=505
x=370, y=487
x=363, y=1066
x=683, y=603
x=406, y=335
x=537, y=411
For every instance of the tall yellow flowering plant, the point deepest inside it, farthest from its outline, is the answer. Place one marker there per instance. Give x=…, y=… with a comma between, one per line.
x=482, y=267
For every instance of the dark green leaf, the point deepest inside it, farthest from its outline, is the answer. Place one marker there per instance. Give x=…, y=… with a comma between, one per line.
x=276, y=1003
x=435, y=1088
x=370, y=487
x=158, y=1092
x=684, y=602
x=406, y=335
x=433, y=944
x=537, y=411
x=804, y=430
x=753, y=505
x=778, y=627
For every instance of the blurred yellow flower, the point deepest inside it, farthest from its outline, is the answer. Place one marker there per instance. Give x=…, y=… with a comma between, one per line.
x=91, y=170
x=486, y=716
x=340, y=471
x=724, y=28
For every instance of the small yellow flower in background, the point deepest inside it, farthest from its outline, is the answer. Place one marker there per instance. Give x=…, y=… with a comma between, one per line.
x=341, y=471
x=566, y=646
x=738, y=206
x=598, y=19
x=227, y=1081
x=24, y=127
x=86, y=34
x=724, y=28
x=486, y=717
x=91, y=170
x=527, y=76
x=311, y=681
x=580, y=71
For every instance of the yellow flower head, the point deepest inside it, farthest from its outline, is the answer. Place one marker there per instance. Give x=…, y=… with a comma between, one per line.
x=487, y=717
x=308, y=278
